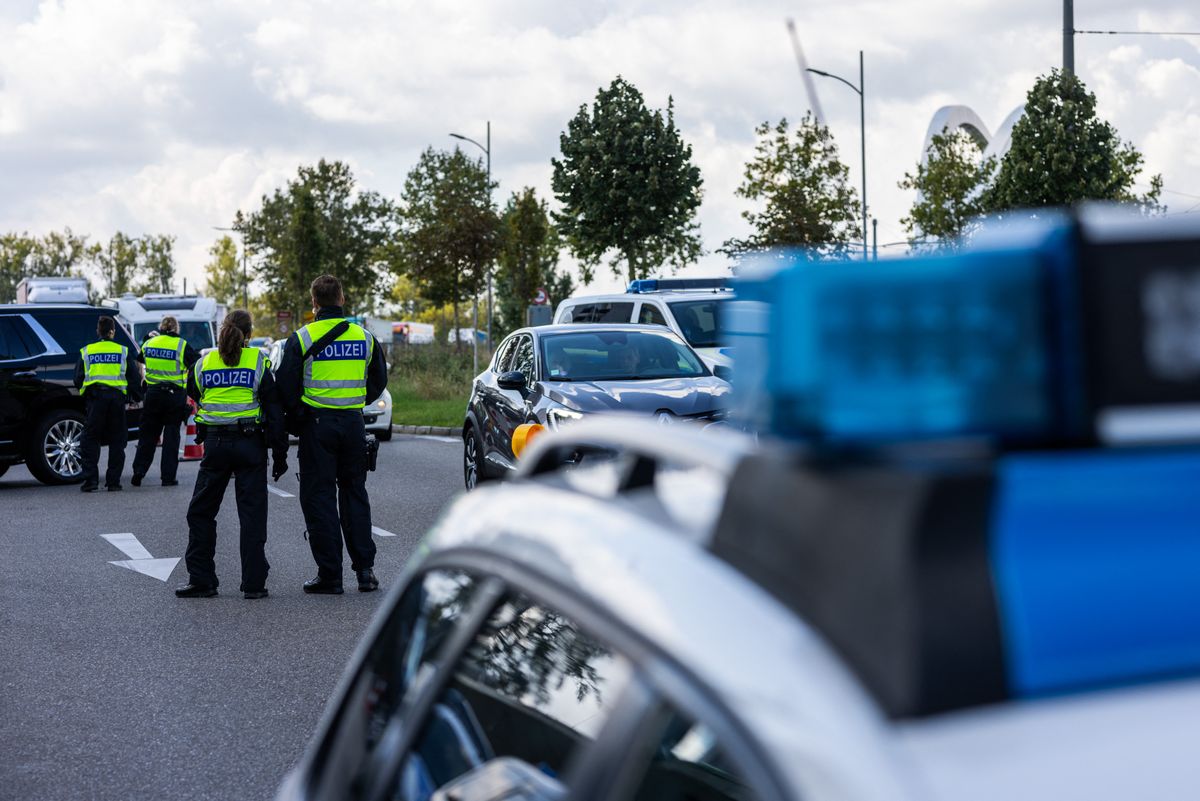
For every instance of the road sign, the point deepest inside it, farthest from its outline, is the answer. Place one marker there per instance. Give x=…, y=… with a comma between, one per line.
x=540, y=298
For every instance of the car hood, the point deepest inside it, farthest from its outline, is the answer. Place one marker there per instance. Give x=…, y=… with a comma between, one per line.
x=682, y=396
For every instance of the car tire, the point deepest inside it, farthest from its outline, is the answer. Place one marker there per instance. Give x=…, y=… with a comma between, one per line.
x=4, y=468
x=55, y=453
x=473, y=472
x=385, y=435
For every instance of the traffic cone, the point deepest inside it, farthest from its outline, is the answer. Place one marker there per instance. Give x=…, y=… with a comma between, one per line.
x=190, y=450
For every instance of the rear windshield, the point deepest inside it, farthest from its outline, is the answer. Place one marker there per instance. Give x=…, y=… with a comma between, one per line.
x=196, y=333
x=698, y=321
x=73, y=331
x=618, y=356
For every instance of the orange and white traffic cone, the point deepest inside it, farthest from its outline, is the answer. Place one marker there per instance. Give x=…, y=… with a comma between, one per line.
x=190, y=450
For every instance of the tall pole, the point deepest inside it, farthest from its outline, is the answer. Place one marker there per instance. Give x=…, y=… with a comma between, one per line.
x=488, y=150
x=1069, y=36
x=245, y=281
x=862, y=120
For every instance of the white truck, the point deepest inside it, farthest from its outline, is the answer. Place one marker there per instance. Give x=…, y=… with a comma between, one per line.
x=49, y=289
x=199, y=317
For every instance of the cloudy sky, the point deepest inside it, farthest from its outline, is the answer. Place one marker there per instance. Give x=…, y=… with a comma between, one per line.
x=167, y=117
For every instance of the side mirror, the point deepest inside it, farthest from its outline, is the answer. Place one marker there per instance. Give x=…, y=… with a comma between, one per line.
x=503, y=779
x=513, y=379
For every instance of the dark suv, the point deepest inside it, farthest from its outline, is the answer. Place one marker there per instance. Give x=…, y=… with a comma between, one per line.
x=41, y=412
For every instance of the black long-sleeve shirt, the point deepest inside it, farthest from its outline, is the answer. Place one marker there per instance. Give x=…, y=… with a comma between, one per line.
x=134, y=389
x=268, y=399
x=290, y=375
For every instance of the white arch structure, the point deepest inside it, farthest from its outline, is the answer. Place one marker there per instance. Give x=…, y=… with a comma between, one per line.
x=965, y=119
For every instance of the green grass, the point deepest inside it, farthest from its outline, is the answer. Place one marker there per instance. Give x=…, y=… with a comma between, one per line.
x=429, y=385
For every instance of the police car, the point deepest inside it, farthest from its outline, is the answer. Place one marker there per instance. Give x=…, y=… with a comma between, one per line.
x=690, y=307
x=949, y=596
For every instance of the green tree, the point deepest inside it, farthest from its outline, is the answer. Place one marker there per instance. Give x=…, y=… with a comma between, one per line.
x=528, y=256
x=119, y=265
x=354, y=226
x=60, y=254
x=801, y=190
x=449, y=230
x=223, y=273
x=16, y=251
x=1062, y=153
x=627, y=186
x=156, y=263
x=949, y=186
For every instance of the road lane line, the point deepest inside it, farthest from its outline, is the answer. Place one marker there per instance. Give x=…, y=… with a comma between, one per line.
x=128, y=545
x=279, y=492
x=437, y=438
x=380, y=532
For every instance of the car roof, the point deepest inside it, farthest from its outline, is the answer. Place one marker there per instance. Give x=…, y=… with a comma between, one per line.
x=62, y=308
x=665, y=294
x=607, y=328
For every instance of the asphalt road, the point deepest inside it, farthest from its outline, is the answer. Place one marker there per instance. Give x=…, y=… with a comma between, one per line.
x=113, y=688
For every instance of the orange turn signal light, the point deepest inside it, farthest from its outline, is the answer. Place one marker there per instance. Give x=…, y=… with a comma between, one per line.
x=524, y=435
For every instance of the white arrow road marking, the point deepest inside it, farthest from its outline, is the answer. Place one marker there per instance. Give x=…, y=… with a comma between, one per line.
x=379, y=532
x=140, y=560
x=279, y=492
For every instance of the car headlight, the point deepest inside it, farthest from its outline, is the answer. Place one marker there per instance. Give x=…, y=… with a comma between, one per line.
x=557, y=416
x=381, y=404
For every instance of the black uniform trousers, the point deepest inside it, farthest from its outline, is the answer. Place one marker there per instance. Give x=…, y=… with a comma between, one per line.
x=104, y=425
x=243, y=456
x=333, y=490
x=164, y=412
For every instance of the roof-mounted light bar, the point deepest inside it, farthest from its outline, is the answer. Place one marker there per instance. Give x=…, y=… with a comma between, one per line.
x=660, y=284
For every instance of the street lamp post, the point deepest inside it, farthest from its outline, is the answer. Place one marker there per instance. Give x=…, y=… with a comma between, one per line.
x=862, y=119
x=487, y=152
x=245, y=281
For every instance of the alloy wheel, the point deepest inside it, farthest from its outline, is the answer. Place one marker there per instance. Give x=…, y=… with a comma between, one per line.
x=62, y=447
x=470, y=466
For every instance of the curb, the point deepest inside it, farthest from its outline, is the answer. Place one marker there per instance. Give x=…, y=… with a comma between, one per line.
x=441, y=431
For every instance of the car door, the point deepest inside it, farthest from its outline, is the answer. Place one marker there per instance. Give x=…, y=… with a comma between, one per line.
x=514, y=406
x=20, y=377
x=488, y=407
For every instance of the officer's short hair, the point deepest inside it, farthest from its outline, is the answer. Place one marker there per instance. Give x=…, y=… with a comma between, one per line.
x=106, y=325
x=326, y=291
x=169, y=325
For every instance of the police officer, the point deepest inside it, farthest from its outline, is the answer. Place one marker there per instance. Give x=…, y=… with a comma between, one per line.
x=107, y=376
x=238, y=419
x=168, y=359
x=324, y=390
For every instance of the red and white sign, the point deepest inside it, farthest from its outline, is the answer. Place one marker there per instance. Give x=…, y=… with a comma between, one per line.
x=540, y=298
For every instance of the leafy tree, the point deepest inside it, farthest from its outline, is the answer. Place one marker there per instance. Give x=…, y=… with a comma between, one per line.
x=352, y=225
x=156, y=263
x=119, y=265
x=1062, y=153
x=801, y=189
x=949, y=185
x=449, y=230
x=627, y=186
x=528, y=255
x=60, y=254
x=223, y=274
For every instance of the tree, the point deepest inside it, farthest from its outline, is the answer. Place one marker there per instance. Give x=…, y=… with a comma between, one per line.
x=1062, y=153
x=627, y=186
x=59, y=254
x=449, y=230
x=802, y=191
x=156, y=263
x=528, y=254
x=949, y=186
x=353, y=228
x=119, y=265
x=16, y=251
x=223, y=275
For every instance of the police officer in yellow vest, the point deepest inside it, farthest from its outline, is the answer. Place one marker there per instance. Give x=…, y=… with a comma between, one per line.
x=239, y=418
x=108, y=376
x=168, y=359
x=325, y=390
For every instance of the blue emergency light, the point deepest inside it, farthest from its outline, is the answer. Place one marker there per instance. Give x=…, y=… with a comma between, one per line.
x=1044, y=331
x=660, y=284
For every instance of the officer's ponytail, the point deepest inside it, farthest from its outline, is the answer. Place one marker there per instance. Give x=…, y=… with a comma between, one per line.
x=234, y=333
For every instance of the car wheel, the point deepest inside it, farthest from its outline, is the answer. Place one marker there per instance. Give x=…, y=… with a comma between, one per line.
x=473, y=473
x=385, y=434
x=55, y=454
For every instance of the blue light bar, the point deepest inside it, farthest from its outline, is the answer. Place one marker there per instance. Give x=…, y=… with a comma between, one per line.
x=659, y=284
x=933, y=346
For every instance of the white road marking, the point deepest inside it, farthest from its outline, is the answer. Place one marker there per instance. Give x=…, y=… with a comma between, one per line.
x=437, y=438
x=279, y=492
x=379, y=532
x=140, y=560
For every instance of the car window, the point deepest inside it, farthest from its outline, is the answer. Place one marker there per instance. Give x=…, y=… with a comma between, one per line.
x=698, y=320
x=650, y=315
x=196, y=333
x=523, y=358
x=602, y=313
x=73, y=331
x=531, y=686
x=618, y=355
x=17, y=340
x=685, y=762
x=504, y=355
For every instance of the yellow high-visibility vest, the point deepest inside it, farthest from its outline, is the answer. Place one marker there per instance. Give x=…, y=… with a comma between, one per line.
x=164, y=360
x=104, y=363
x=336, y=378
x=229, y=394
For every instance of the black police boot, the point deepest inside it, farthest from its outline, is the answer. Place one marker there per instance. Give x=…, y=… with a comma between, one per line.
x=255, y=594
x=367, y=580
x=89, y=488
x=320, y=586
x=190, y=590
x=171, y=483
x=136, y=480
x=113, y=487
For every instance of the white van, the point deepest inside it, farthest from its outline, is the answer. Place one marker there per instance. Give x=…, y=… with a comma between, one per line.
x=199, y=317
x=688, y=306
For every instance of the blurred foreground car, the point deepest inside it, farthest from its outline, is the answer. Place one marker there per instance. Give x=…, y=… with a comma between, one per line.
x=558, y=374
x=984, y=599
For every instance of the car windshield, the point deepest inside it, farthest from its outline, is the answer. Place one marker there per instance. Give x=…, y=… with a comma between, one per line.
x=698, y=321
x=617, y=356
x=197, y=333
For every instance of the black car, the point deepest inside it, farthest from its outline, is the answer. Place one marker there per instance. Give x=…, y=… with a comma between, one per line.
x=41, y=412
x=557, y=373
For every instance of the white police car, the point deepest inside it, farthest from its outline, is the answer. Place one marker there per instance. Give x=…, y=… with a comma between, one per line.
x=860, y=611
